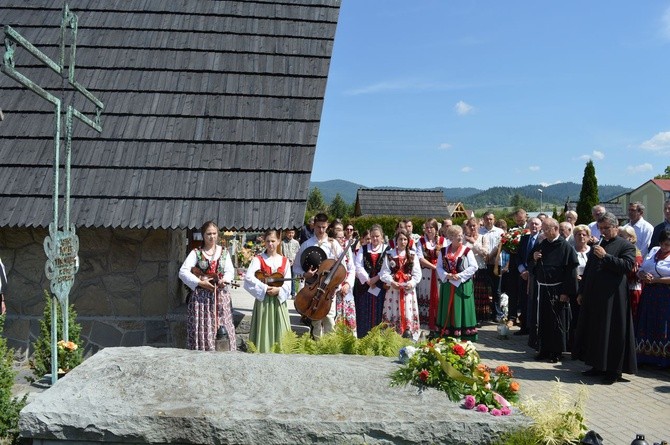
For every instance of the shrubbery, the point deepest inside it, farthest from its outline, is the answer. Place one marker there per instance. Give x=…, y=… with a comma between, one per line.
x=9, y=406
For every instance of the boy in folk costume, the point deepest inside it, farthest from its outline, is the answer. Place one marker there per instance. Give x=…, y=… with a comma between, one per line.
x=401, y=271
x=332, y=250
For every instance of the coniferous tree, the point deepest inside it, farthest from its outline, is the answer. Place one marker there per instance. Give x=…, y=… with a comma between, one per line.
x=9, y=405
x=315, y=201
x=338, y=207
x=41, y=362
x=588, y=196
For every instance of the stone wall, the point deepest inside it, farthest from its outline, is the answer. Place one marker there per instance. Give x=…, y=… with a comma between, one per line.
x=126, y=293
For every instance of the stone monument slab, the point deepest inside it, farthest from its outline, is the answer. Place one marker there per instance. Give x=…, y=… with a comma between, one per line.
x=163, y=395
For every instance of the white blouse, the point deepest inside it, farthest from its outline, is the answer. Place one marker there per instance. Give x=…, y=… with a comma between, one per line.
x=658, y=269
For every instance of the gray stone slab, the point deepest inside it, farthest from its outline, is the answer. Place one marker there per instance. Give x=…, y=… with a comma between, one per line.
x=161, y=395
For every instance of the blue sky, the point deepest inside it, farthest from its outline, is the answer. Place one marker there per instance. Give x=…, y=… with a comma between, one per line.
x=469, y=93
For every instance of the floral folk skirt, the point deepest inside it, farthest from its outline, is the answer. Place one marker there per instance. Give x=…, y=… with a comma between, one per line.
x=345, y=311
x=652, y=343
x=403, y=317
x=201, y=321
x=369, y=308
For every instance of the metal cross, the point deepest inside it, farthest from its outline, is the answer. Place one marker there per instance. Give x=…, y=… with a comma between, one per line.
x=60, y=246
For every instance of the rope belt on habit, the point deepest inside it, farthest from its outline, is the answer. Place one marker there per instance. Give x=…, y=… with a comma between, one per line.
x=549, y=284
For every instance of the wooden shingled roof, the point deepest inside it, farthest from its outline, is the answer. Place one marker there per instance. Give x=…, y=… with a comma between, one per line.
x=212, y=111
x=406, y=203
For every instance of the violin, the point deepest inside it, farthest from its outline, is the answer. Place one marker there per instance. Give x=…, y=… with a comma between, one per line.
x=315, y=298
x=199, y=273
x=275, y=279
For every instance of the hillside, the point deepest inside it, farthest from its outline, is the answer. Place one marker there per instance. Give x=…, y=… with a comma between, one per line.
x=555, y=194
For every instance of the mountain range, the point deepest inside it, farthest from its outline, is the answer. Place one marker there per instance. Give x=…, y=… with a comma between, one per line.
x=556, y=194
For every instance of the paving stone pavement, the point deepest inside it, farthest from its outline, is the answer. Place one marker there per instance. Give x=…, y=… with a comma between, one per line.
x=617, y=412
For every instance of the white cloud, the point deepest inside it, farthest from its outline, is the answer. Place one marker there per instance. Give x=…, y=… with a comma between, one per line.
x=463, y=108
x=640, y=168
x=466, y=169
x=411, y=85
x=597, y=155
x=661, y=141
x=444, y=146
x=665, y=24
x=534, y=168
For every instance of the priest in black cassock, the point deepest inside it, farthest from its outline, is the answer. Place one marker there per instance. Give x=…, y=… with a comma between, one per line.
x=554, y=266
x=605, y=338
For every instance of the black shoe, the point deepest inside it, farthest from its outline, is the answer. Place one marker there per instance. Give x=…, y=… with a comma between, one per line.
x=521, y=332
x=407, y=334
x=541, y=356
x=221, y=332
x=555, y=358
x=593, y=372
x=610, y=379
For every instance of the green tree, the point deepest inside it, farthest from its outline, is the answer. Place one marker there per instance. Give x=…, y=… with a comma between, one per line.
x=9, y=406
x=338, y=207
x=315, y=201
x=665, y=175
x=588, y=196
x=521, y=202
x=41, y=362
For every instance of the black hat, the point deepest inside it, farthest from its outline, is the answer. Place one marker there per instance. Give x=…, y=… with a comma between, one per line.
x=312, y=257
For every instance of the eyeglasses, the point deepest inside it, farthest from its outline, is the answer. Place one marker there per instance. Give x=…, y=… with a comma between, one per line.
x=349, y=229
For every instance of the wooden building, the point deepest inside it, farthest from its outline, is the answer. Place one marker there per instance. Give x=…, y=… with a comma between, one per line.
x=404, y=203
x=212, y=112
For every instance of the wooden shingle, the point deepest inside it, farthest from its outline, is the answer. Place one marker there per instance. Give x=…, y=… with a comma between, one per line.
x=403, y=203
x=212, y=111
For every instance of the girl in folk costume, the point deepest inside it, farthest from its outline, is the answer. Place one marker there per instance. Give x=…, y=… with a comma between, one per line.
x=369, y=301
x=401, y=271
x=428, y=290
x=480, y=247
x=456, y=265
x=345, y=308
x=207, y=271
x=270, y=319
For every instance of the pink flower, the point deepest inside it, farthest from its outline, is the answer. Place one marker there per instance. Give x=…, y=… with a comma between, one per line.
x=505, y=411
x=469, y=402
x=496, y=412
x=482, y=408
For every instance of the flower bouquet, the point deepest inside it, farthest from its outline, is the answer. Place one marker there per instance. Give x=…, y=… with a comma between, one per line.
x=510, y=240
x=454, y=367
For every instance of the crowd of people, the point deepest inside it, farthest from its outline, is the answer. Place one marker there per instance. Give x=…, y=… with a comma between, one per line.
x=599, y=291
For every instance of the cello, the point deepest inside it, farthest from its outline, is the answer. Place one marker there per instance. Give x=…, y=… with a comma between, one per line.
x=315, y=299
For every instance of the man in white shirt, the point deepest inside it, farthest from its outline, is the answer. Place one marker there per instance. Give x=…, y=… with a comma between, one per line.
x=491, y=238
x=332, y=250
x=597, y=211
x=643, y=229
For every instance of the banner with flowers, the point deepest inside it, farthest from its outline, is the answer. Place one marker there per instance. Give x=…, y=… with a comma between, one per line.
x=455, y=368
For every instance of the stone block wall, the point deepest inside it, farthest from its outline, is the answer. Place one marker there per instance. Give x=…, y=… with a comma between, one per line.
x=126, y=292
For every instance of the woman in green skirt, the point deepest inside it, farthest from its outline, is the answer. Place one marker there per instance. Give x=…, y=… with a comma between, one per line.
x=456, y=265
x=268, y=280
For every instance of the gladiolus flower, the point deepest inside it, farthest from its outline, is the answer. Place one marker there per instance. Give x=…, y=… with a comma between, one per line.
x=423, y=375
x=514, y=386
x=496, y=412
x=505, y=411
x=486, y=377
x=482, y=408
